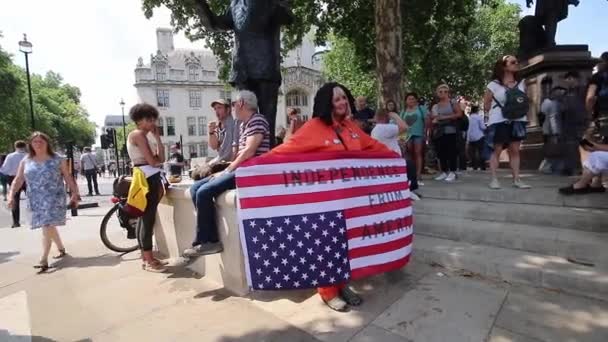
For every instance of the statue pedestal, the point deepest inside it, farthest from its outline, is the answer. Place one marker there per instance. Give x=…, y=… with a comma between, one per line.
x=543, y=72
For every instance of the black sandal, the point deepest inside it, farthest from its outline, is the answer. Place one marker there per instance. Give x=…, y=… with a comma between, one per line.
x=571, y=190
x=61, y=254
x=42, y=267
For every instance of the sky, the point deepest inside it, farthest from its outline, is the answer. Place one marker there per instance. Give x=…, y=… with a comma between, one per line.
x=94, y=44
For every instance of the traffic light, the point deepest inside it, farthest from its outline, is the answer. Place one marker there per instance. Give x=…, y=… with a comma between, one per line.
x=104, y=142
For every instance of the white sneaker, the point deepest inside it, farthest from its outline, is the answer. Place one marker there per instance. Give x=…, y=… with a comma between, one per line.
x=441, y=177
x=414, y=196
x=451, y=177
x=420, y=183
x=521, y=185
x=494, y=184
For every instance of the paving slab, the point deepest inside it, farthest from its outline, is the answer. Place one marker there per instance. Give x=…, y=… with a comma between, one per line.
x=203, y=319
x=552, y=316
x=305, y=310
x=445, y=308
x=373, y=333
x=503, y=335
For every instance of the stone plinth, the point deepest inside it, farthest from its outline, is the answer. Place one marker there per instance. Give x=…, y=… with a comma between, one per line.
x=175, y=230
x=542, y=73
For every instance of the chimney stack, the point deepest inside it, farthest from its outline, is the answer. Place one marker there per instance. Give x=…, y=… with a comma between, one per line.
x=164, y=40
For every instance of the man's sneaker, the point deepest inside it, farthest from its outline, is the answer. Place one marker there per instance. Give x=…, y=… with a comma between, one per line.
x=451, y=177
x=441, y=177
x=521, y=185
x=203, y=249
x=495, y=184
x=420, y=183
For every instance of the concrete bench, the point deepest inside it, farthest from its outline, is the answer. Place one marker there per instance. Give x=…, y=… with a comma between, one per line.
x=175, y=230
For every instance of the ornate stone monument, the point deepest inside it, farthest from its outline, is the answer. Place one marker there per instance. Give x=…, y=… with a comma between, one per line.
x=256, y=57
x=546, y=65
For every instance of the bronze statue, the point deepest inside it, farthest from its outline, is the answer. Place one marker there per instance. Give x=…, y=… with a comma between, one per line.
x=551, y=12
x=256, y=58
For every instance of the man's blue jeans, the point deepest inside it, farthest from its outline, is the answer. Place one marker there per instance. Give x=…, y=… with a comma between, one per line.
x=203, y=194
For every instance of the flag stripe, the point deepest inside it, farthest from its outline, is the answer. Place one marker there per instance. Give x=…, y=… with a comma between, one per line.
x=341, y=194
x=307, y=209
x=271, y=190
x=322, y=176
x=367, y=241
x=324, y=157
x=377, y=209
x=380, y=258
x=360, y=222
x=294, y=166
x=385, y=247
x=380, y=268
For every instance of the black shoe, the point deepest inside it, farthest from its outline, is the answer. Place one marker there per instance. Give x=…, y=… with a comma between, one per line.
x=15, y=225
x=570, y=190
x=597, y=189
x=90, y=194
x=98, y=194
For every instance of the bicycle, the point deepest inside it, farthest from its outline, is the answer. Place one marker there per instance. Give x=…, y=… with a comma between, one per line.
x=112, y=239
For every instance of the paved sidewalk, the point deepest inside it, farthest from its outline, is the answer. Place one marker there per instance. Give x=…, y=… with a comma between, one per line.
x=97, y=295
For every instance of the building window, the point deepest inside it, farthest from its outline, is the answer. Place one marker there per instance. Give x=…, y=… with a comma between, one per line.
x=193, y=73
x=192, y=151
x=203, y=147
x=191, y=125
x=208, y=74
x=161, y=72
x=162, y=98
x=195, y=98
x=161, y=126
x=225, y=94
x=202, y=126
x=296, y=98
x=170, y=126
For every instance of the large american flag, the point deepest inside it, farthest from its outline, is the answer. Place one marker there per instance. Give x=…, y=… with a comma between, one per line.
x=311, y=220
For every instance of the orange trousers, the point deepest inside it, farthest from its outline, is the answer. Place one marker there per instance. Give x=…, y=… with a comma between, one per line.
x=330, y=292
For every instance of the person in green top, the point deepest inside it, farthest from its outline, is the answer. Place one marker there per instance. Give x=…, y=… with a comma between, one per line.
x=417, y=118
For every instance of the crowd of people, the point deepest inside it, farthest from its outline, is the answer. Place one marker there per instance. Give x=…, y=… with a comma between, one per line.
x=339, y=122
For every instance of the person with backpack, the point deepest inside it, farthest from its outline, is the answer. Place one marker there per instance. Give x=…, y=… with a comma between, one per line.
x=597, y=96
x=508, y=105
x=445, y=115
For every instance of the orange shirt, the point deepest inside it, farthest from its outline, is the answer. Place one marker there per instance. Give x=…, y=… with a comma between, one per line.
x=316, y=136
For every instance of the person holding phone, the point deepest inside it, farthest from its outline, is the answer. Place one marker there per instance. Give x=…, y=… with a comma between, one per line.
x=46, y=174
x=593, y=167
x=146, y=151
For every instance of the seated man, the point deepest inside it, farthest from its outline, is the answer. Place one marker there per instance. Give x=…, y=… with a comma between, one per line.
x=593, y=167
x=223, y=133
x=254, y=140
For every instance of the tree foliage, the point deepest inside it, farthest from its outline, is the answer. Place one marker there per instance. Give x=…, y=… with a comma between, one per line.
x=443, y=40
x=57, y=108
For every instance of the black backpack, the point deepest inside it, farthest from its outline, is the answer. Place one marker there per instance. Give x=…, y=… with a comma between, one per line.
x=602, y=93
x=516, y=105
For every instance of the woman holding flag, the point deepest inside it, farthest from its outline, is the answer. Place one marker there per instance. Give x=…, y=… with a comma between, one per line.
x=332, y=130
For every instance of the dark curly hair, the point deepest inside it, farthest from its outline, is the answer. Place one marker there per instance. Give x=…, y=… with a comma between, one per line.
x=143, y=111
x=323, y=106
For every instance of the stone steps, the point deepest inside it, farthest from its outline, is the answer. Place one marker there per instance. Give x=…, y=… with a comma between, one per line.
x=588, y=219
x=565, y=243
x=533, y=269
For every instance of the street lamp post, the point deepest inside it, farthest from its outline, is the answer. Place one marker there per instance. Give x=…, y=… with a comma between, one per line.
x=124, y=136
x=26, y=47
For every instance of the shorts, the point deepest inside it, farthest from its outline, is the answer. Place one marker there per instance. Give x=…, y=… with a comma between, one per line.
x=504, y=133
x=416, y=140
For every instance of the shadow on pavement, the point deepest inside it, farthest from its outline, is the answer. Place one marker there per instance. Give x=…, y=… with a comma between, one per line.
x=105, y=260
x=7, y=256
x=291, y=334
x=6, y=336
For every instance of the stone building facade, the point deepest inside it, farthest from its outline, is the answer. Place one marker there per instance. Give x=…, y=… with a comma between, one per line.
x=182, y=83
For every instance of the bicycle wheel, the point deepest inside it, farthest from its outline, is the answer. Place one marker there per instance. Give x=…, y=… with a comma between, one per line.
x=113, y=235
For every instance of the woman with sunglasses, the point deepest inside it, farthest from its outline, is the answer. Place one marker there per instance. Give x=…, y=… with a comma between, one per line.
x=444, y=116
x=503, y=133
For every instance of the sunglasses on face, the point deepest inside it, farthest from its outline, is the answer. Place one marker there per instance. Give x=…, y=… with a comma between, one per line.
x=515, y=62
x=443, y=91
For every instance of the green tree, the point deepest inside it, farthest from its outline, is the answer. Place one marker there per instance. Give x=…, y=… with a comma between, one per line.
x=57, y=107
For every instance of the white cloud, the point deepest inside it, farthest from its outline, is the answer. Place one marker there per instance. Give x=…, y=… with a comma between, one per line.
x=93, y=44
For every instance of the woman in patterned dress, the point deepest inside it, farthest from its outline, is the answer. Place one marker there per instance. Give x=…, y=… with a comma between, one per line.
x=45, y=172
